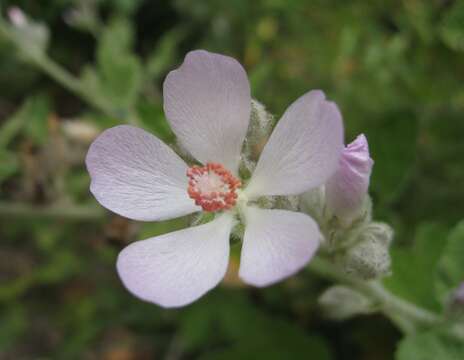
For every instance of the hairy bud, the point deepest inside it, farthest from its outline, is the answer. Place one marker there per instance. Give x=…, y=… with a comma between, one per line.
x=458, y=296
x=312, y=203
x=369, y=257
x=259, y=130
x=346, y=190
x=341, y=303
x=455, y=306
x=32, y=36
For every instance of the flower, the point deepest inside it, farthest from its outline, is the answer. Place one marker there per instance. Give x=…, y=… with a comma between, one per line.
x=347, y=188
x=458, y=295
x=207, y=103
x=17, y=16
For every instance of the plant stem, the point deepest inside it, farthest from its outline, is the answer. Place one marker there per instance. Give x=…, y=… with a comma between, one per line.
x=72, y=83
x=65, y=212
x=405, y=315
x=63, y=77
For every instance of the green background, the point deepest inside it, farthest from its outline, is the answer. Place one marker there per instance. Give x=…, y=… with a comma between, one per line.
x=396, y=70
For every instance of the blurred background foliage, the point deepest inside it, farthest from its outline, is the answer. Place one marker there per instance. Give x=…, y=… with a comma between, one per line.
x=393, y=67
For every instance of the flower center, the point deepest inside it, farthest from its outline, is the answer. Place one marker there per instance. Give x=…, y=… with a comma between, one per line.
x=212, y=187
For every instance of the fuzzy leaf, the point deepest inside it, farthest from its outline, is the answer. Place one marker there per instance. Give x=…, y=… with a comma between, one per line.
x=450, y=269
x=413, y=267
x=429, y=346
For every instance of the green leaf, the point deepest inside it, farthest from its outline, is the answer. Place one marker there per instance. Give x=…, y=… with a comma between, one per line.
x=450, y=269
x=14, y=323
x=119, y=70
x=9, y=164
x=452, y=28
x=298, y=348
x=117, y=38
x=164, y=55
x=31, y=118
x=152, y=118
x=393, y=161
x=151, y=229
x=429, y=346
x=252, y=332
x=413, y=267
x=36, y=119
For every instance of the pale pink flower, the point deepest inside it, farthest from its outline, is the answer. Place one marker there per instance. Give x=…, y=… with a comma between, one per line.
x=458, y=296
x=346, y=190
x=207, y=103
x=17, y=16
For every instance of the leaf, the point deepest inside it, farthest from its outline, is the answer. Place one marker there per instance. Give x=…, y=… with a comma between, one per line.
x=14, y=323
x=393, y=160
x=414, y=267
x=165, y=53
x=31, y=118
x=252, y=332
x=119, y=70
x=341, y=302
x=452, y=27
x=311, y=347
x=9, y=164
x=450, y=270
x=117, y=38
x=429, y=346
x=36, y=119
x=152, y=117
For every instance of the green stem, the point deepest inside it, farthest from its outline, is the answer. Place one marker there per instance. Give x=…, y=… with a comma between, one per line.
x=405, y=315
x=72, y=83
x=65, y=212
x=63, y=77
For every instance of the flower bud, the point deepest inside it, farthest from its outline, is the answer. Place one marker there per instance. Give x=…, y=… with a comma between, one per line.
x=369, y=257
x=341, y=303
x=17, y=16
x=312, y=203
x=346, y=190
x=458, y=296
x=80, y=131
x=259, y=130
x=32, y=36
x=455, y=307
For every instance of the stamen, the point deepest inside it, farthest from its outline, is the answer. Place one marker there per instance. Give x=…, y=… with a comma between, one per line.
x=212, y=187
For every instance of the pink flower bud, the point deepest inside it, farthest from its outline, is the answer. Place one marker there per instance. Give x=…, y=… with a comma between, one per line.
x=16, y=16
x=347, y=188
x=458, y=296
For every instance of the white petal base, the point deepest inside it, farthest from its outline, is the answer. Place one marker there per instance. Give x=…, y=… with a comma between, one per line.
x=176, y=269
x=277, y=244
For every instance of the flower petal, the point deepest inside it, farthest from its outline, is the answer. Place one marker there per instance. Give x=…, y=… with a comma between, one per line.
x=347, y=188
x=277, y=244
x=303, y=150
x=207, y=102
x=136, y=175
x=175, y=269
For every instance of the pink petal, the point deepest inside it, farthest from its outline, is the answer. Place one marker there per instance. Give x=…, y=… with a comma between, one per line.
x=277, y=244
x=303, y=150
x=347, y=188
x=207, y=102
x=176, y=269
x=136, y=175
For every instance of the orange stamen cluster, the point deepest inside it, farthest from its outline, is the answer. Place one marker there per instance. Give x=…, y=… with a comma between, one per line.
x=213, y=187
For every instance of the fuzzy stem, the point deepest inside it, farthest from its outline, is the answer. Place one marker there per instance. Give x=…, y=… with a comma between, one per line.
x=65, y=212
x=405, y=315
x=65, y=78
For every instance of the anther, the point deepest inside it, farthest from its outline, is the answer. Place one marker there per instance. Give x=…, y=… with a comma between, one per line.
x=212, y=187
